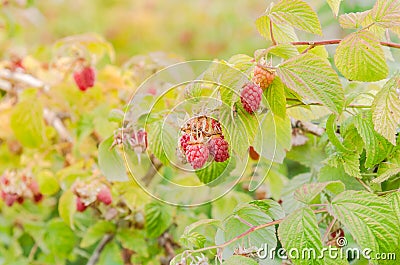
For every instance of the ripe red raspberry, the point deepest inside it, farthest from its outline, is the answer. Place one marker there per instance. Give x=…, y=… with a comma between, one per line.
x=85, y=78
x=216, y=126
x=197, y=154
x=263, y=77
x=219, y=149
x=105, y=196
x=184, y=142
x=251, y=97
x=80, y=206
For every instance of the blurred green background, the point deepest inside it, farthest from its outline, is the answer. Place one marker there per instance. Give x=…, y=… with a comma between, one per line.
x=193, y=29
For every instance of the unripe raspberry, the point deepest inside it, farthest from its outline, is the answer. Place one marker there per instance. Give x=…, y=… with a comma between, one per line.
x=85, y=78
x=251, y=97
x=263, y=77
x=80, y=206
x=219, y=149
x=105, y=196
x=184, y=142
x=197, y=155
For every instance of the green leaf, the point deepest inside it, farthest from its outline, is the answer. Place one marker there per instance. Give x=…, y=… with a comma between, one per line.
x=283, y=33
x=225, y=205
x=241, y=220
x=111, y=255
x=239, y=260
x=344, y=156
x=386, y=109
x=289, y=203
x=328, y=173
x=334, y=5
x=300, y=231
x=313, y=78
x=59, y=238
x=311, y=154
x=27, y=122
x=96, y=232
x=352, y=20
x=274, y=138
x=215, y=171
x=110, y=161
x=283, y=50
x=158, y=219
x=199, y=233
x=296, y=13
x=369, y=218
x=276, y=98
x=67, y=207
x=239, y=128
x=270, y=207
x=134, y=240
x=376, y=146
x=389, y=168
x=309, y=192
x=349, y=160
x=48, y=184
x=386, y=13
x=360, y=57
x=161, y=141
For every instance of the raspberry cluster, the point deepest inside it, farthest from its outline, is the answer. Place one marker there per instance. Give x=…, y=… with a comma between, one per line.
x=136, y=140
x=251, y=97
x=202, y=139
x=84, y=78
x=262, y=76
x=90, y=192
x=16, y=187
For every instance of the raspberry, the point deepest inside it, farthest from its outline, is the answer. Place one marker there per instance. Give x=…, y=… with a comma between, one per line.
x=251, y=97
x=85, y=78
x=197, y=155
x=219, y=149
x=80, y=206
x=263, y=77
x=9, y=198
x=253, y=153
x=216, y=126
x=184, y=142
x=105, y=196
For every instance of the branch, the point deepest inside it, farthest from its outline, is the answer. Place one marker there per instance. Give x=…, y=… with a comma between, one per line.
x=52, y=119
x=96, y=254
x=337, y=41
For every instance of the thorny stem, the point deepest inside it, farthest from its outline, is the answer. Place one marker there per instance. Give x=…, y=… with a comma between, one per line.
x=249, y=231
x=271, y=33
x=354, y=106
x=328, y=229
x=337, y=41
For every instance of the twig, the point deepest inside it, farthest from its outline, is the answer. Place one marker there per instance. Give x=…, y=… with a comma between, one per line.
x=52, y=119
x=328, y=229
x=96, y=254
x=368, y=188
x=271, y=33
x=153, y=169
x=337, y=41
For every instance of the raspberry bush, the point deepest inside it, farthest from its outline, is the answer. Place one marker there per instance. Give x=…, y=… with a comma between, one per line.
x=290, y=144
